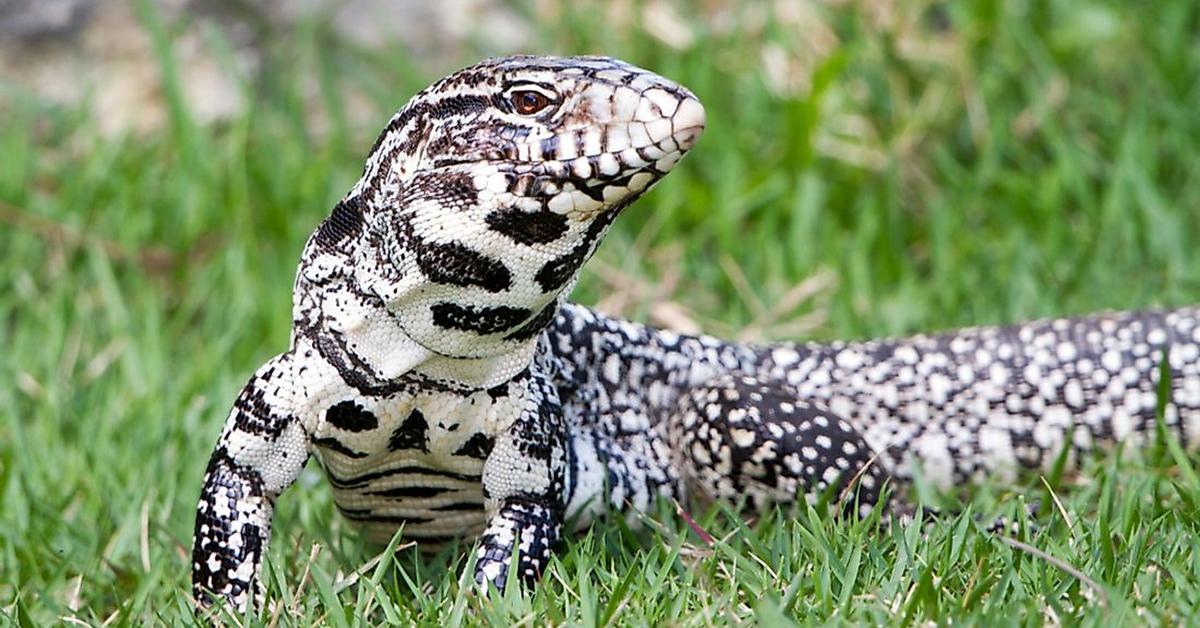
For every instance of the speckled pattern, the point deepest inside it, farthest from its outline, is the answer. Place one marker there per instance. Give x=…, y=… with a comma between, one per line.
x=440, y=379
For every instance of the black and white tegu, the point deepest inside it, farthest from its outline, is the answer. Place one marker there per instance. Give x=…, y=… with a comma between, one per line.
x=438, y=375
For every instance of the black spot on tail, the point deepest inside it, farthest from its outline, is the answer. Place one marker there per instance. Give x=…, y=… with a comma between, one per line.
x=481, y=320
x=351, y=417
x=413, y=433
x=528, y=227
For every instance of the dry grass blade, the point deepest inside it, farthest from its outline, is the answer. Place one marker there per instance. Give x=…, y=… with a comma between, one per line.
x=144, y=535
x=1058, y=562
x=305, y=578
x=818, y=283
x=687, y=518
x=849, y=488
x=1061, y=509
x=354, y=576
x=742, y=285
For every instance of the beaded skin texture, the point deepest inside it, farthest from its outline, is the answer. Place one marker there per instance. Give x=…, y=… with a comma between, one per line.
x=443, y=383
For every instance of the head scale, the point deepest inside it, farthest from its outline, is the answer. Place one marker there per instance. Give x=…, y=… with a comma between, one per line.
x=489, y=189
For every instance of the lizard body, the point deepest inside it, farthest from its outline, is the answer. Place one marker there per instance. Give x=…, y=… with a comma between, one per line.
x=439, y=377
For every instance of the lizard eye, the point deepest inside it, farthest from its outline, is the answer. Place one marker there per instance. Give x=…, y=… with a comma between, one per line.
x=528, y=102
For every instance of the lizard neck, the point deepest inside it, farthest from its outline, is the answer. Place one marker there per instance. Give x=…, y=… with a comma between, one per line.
x=346, y=296
x=380, y=345
x=466, y=302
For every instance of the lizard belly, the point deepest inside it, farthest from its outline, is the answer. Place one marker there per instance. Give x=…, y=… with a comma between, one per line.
x=411, y=462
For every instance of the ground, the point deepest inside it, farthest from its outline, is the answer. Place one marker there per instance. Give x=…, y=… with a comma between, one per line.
x=873, y=168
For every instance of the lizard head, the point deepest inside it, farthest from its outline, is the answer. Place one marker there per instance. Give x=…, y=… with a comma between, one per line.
x=489, y=190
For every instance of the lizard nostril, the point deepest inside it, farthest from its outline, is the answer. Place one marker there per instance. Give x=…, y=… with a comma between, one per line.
x=686, y=138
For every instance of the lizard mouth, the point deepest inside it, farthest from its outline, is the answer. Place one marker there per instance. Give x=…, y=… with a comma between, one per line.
x=581, y=188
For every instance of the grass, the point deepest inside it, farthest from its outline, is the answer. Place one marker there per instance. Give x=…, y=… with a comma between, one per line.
x=870, y=169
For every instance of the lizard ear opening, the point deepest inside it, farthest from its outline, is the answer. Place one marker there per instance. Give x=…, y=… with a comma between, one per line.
x=344, y=224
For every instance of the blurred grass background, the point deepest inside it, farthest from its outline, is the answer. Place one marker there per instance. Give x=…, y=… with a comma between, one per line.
x=871, y=168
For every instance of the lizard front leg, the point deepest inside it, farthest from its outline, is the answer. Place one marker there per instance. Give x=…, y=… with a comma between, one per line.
x=524, y=487
x=259, y=454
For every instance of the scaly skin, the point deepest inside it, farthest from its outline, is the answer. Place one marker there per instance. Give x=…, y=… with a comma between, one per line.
x=438, y=376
